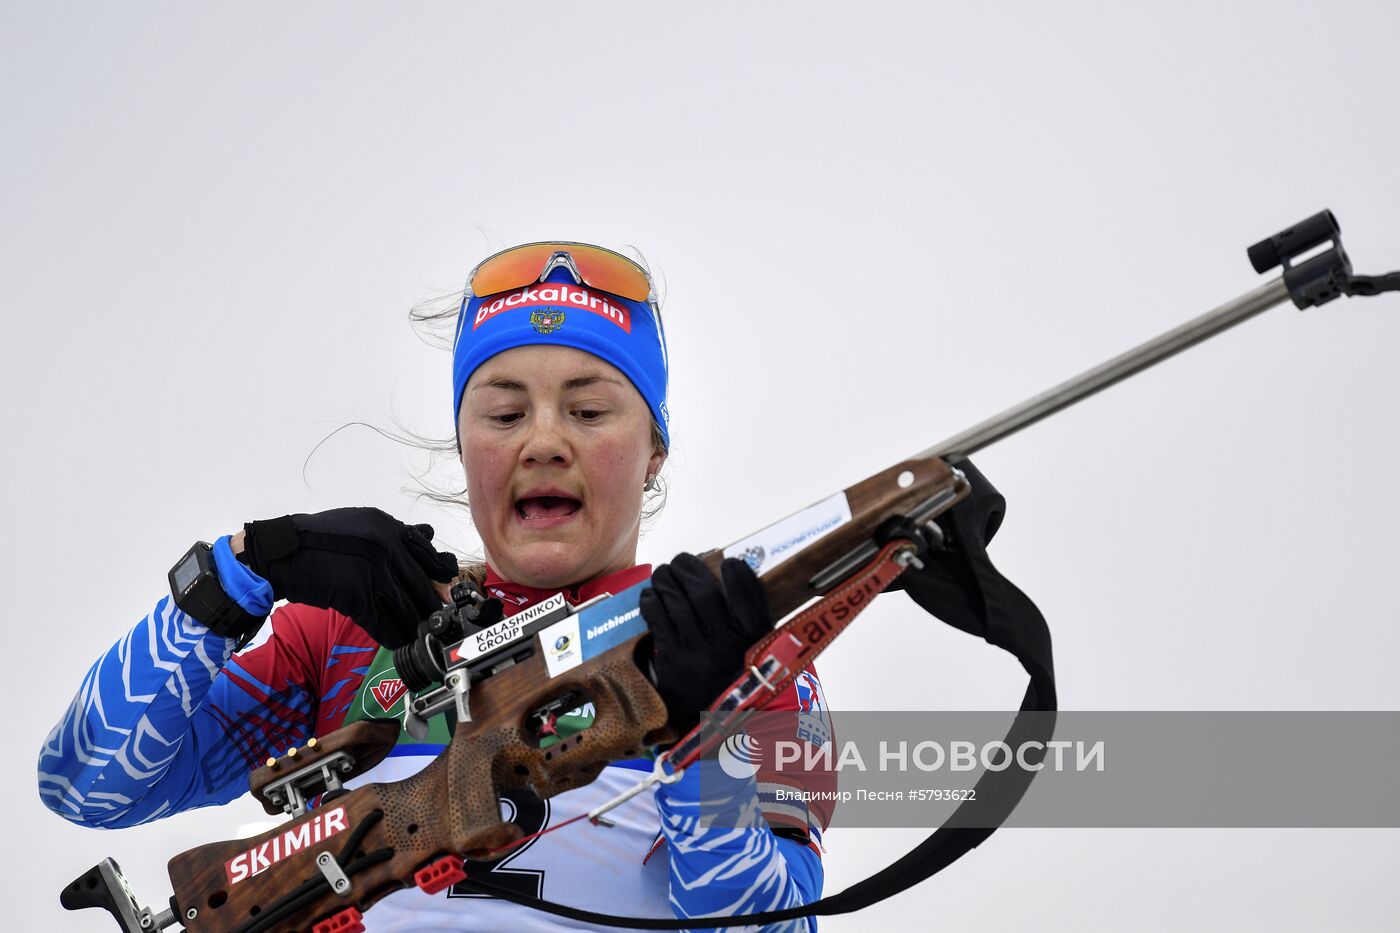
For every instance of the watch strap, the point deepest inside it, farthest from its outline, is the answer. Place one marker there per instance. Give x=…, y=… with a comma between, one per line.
x=200, y=594
x=246, y=588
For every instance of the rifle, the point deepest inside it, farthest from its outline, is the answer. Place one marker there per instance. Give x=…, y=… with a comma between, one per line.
x=503, y=679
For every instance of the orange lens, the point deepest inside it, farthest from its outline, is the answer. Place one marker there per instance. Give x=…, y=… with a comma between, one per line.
x=611, y=272
x=600, y=268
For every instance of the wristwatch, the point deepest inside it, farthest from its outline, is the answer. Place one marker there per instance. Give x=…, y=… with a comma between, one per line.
x=198, y=593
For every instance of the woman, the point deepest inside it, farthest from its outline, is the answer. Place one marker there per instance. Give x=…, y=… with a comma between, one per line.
x=559, y=385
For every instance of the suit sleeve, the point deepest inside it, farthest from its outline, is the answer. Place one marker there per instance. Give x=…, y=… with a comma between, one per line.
x=169, y=719
x=725, y=858
x=801, y=798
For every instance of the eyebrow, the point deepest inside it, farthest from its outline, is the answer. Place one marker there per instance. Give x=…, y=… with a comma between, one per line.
x=578, y=382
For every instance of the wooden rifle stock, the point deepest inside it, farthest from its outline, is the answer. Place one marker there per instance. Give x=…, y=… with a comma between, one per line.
x=451, y=807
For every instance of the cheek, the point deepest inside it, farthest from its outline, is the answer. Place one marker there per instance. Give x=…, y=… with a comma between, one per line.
x=616, y=470
x=487, y=472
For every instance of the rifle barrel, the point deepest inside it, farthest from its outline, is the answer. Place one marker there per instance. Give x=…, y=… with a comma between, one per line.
x=1115, y=370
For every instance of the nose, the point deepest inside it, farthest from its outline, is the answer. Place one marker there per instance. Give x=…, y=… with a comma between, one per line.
x=546, y=442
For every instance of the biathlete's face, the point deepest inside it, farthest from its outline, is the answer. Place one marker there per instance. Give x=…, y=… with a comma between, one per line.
x=556, y=445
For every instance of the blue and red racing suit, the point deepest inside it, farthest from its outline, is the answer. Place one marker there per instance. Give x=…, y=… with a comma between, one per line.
x=169, y=719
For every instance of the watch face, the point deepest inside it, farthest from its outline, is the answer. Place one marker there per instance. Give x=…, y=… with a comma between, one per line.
x=186, y=573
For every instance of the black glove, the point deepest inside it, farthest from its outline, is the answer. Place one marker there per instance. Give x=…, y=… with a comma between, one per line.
x=959, y=584
x=700, y=632
x=361, y=562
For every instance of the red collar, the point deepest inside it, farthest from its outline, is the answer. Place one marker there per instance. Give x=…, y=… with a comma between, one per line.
x=517, y=597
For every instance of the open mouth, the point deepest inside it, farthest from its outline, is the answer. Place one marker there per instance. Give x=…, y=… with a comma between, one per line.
x=545, y=509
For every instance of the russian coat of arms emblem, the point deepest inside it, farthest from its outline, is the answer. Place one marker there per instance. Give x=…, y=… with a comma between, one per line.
x=547, y=320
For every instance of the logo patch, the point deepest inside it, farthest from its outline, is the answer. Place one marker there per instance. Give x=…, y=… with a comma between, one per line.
x=303, y=835
x=547, y=320
x=555, y=299
x=809, y=696
x=560, y=644
x=593, y=630
x=505, y=597
x=813, y=724
x=790, y=536
x=754, y=557
x=388, y=692
x=509, y=630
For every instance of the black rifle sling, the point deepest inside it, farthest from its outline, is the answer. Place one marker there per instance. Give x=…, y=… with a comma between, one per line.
x=1003, y=616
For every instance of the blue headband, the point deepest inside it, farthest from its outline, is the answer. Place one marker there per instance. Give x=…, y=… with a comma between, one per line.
x=560, y=312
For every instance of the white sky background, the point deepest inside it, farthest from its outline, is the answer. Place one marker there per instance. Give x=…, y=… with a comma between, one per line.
x=876, y=224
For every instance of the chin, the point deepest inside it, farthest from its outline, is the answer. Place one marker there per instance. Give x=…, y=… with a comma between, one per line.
x=546, y=566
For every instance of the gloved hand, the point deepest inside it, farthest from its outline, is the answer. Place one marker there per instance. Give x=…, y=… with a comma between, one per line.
x=361, y=562
x=958, y=583
x=700, y=631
